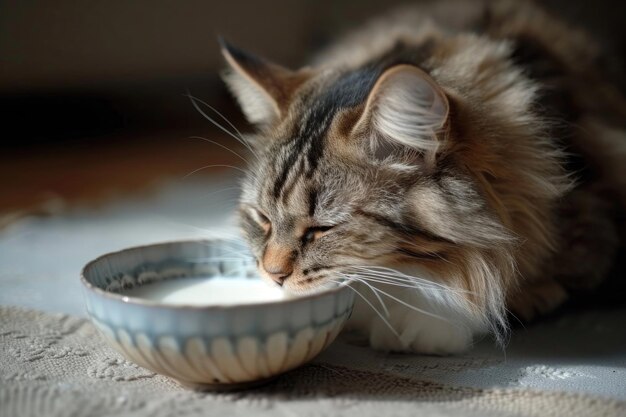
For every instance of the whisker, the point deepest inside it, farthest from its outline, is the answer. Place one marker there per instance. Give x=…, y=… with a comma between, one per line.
x=397, y=283
x=373, y=308
x=223, y=235
x=400, y=278
x=216, y=112
x=380, y=300
x=241, y=140
x=221, y=146
x=214, y=166
x=392, y=272
x=221, y=191
x=418, y=284
x=228, y=240
x=411, y=284
x=404, y=303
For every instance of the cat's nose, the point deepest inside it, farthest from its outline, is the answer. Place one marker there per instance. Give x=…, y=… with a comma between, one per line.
x=278, y=276
x=278, y=263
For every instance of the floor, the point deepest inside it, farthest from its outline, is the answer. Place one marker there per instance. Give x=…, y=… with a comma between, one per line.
x=41, y=258
x=48, y=178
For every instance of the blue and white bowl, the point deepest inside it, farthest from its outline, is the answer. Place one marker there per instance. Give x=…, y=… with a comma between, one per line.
x=214, y=346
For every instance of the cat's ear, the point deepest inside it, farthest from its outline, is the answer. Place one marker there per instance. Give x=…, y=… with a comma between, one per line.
x=262, y=88
x=406, y=108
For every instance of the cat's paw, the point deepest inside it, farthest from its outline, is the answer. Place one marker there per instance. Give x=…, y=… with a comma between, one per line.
x=421, y=334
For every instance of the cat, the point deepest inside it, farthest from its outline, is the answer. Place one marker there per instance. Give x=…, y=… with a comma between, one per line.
x=453, y=162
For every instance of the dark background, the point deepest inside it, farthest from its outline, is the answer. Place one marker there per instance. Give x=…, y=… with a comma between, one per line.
x=92, y=92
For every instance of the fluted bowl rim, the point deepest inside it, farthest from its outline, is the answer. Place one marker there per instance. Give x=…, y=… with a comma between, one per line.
x=120, y=297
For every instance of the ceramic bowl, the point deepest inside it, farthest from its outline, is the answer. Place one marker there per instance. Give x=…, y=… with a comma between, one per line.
x=213, y=346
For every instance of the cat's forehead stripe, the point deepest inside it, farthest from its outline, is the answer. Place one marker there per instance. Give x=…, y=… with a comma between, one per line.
x=292, y=180
x=348, y=90
x=313, y=194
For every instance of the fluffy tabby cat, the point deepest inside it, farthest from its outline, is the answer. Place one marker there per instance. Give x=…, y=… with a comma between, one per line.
x=454, y=161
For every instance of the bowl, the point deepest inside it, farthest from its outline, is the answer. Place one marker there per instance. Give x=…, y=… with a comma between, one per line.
x=213, y=346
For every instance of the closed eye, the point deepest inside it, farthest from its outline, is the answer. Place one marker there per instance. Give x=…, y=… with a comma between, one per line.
x=316, y=232
x=260, y=218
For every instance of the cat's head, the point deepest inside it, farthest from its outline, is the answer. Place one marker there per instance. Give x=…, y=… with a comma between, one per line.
x=385, y=165
x=352, y=168
x=445, y=170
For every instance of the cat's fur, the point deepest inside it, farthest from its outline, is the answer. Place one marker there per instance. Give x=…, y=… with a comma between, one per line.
x=474, y=145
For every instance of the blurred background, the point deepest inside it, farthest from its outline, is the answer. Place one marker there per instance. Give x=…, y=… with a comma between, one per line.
x=95, y=129
x=92, y=92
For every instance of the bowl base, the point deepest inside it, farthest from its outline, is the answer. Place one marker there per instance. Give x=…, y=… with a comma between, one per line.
x=237, y=386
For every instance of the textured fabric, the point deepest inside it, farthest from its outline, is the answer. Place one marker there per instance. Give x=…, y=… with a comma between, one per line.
x=59, y=365
x=56, y=365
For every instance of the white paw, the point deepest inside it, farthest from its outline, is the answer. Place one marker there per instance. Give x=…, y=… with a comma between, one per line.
x=420, y=333
x=444, y=332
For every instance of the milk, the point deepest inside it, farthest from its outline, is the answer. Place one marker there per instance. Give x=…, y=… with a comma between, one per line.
x=199, y=291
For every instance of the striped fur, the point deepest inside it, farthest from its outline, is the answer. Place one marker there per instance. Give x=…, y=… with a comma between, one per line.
x=428, y=143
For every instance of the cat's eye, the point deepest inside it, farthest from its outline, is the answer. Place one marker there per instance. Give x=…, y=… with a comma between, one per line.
x=312, y=233
x=260, y=218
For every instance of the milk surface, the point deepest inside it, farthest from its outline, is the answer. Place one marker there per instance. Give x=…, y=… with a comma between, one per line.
x=200, y=291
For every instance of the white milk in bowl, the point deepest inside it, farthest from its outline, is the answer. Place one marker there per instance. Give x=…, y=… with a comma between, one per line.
x=202, y=291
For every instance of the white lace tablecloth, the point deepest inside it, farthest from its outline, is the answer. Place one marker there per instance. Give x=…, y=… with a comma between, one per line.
x=56, y=364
